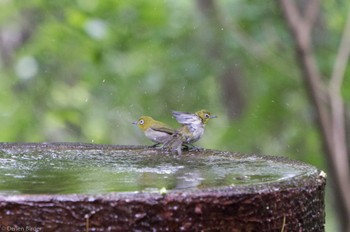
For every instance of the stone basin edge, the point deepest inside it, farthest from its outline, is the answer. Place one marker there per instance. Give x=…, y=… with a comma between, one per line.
x=315, y=178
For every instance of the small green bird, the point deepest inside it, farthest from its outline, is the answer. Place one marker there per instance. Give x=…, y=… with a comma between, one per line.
x=156, y=131
x=192, y=129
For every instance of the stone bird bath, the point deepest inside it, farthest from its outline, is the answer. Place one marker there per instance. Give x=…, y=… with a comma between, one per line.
x=87, y=187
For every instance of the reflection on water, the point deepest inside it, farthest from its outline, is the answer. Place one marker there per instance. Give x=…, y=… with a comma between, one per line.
x=96, y=171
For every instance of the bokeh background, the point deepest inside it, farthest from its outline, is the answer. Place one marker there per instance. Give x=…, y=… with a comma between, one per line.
x=84, y=70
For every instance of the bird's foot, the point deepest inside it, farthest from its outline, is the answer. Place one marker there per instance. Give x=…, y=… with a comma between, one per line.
x=190, y=147
x=157, y=145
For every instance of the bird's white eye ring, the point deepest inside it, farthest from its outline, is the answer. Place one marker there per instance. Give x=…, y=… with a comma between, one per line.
x=207, y=115
x=141, y=122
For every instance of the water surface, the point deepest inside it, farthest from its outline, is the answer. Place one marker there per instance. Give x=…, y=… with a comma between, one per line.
x=94, y=171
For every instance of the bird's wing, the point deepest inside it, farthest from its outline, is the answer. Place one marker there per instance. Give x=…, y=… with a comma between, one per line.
x=186, y=118
x=163, y=128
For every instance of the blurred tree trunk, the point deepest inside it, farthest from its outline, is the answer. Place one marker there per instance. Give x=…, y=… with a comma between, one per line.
x=230, y=75
x=326, y=100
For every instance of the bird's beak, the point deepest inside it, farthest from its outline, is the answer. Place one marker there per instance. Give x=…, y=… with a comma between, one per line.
x=135, y=123
x=213, y=116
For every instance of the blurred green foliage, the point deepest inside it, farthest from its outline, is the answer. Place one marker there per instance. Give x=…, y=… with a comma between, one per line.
x=84, y=70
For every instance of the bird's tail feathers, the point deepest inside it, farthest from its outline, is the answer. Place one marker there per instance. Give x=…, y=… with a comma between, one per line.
x=174, y=143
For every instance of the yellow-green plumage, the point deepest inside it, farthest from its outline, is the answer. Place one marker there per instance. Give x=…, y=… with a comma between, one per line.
x=156, y=131
x=192, y=129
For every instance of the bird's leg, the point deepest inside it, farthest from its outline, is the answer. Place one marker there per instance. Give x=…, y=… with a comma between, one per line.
x=191, y=147
x=155, y=145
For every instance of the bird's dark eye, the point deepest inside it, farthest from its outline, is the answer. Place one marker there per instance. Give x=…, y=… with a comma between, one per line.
x=207, y=115
x=141, y=122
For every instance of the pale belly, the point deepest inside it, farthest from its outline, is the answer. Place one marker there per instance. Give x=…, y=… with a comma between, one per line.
x=197, y=134
x=156, y=136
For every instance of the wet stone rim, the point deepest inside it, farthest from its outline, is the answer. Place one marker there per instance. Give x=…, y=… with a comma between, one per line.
x=312, y=177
